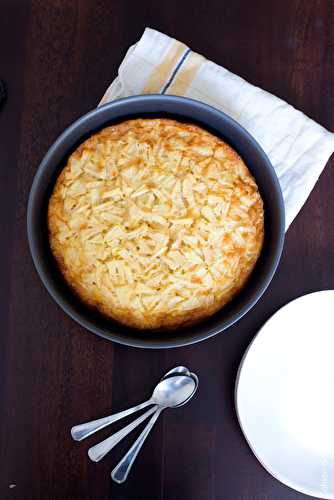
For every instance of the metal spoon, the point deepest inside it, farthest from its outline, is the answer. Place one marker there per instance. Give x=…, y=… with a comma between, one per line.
x=81, y=431
x=178, y=370
x=122, y=469
x=170, y=392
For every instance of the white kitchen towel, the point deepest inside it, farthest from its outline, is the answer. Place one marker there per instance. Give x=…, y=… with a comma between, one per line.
x=297, y=146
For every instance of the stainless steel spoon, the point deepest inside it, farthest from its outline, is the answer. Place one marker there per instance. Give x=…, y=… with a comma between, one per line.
x=82, y=431
x=170, y=392
x=122, y=469
x=178, y=370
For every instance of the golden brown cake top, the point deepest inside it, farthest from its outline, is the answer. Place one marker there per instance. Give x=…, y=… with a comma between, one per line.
x=156, y=223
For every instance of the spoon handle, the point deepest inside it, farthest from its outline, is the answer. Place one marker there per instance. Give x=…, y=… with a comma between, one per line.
x=81, y=431
x=122, y=469
x=97, y=452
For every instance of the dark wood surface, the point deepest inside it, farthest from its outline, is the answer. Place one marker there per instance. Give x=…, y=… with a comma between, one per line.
x=57, y=58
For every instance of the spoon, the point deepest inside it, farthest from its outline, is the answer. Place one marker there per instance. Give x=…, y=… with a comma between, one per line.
x=170, y=392
x=82, y=431
x=178, y=370
x=122, y=469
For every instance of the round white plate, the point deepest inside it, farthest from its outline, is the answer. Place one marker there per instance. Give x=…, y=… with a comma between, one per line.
x=285, y=395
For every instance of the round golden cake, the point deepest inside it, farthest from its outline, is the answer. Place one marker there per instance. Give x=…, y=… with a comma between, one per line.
x=156, y=223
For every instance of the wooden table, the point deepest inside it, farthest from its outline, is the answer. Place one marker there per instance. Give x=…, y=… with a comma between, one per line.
x=57, y=58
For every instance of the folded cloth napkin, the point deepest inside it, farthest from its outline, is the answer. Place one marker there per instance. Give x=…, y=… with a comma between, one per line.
x=297, y=146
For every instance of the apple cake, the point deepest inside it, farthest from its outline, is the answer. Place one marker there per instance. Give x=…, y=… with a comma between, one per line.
x=156, y=223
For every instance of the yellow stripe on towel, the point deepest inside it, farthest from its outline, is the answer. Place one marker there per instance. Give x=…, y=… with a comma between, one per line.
x=186, y=74
x=162, y=73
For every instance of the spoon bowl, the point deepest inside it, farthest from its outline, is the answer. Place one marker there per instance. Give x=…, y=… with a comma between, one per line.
x=195, y=378
x=174, y=391
x=178, y=370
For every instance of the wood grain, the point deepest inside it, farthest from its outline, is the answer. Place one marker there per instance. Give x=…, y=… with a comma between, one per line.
x=57, y=58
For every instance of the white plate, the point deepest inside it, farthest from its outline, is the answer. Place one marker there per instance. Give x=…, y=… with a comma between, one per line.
x=285, y=395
